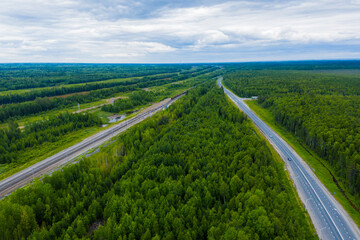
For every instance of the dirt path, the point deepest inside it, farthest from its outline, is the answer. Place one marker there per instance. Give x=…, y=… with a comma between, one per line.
x=108, y=101
x=70, y=94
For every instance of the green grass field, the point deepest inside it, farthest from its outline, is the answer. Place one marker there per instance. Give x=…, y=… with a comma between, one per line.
x=311, y=158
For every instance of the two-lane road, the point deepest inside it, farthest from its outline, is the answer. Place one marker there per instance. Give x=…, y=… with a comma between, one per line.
x=328, y=216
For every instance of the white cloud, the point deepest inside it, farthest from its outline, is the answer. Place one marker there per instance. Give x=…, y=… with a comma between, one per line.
x=121, y=31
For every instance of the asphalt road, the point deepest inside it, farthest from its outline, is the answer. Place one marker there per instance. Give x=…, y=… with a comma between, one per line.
x=27, y=175
x=328, y=216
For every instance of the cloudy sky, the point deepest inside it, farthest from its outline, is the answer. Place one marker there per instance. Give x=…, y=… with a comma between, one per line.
x=178, y=30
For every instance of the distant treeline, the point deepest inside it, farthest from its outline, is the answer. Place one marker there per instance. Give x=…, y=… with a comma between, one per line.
x=293, y=65
x=142, y=83
x=24, y=76
x=272, y=82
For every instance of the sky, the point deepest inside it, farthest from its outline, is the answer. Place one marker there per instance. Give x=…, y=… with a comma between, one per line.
x=159, y=31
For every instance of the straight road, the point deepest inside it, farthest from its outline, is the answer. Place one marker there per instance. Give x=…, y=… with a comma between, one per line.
x=328, y=216
x=27, y=175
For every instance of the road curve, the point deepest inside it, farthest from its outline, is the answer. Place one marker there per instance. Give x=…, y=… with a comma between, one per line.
x=331, y=221
x=25, y=176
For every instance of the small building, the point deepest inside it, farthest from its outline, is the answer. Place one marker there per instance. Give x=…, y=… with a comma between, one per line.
x=115, y=118
x=254, y=97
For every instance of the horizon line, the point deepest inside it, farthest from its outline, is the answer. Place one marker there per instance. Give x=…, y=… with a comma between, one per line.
x=225, y=62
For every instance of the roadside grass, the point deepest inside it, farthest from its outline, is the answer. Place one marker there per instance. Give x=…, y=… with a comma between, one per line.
x=103, y=115
x=43, y=151
x=36, y=154
x=311, y=158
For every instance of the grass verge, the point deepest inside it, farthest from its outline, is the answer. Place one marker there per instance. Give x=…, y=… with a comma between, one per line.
x=39, y=153
x=311, y=158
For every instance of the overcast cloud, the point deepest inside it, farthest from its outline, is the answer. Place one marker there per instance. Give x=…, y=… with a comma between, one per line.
x=177, y=31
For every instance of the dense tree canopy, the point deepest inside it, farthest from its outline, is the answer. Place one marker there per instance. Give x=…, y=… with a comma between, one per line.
x=140, y=82
x=195, y=171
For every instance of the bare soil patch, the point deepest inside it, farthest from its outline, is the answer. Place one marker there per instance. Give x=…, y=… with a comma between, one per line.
x=70, y=94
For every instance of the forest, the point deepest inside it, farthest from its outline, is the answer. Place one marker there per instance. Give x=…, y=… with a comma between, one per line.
x=20, y=104
x=58, y=91
x=34, y=104
x=16, y=110
x=135, y=99
x=13, y=141
x=31, y=75
x=141, y=82
x=294, y=65
x=322, y=110
x=195, y=171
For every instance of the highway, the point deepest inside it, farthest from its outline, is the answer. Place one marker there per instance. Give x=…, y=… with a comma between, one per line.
x=328, y=216
x=27, y=175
